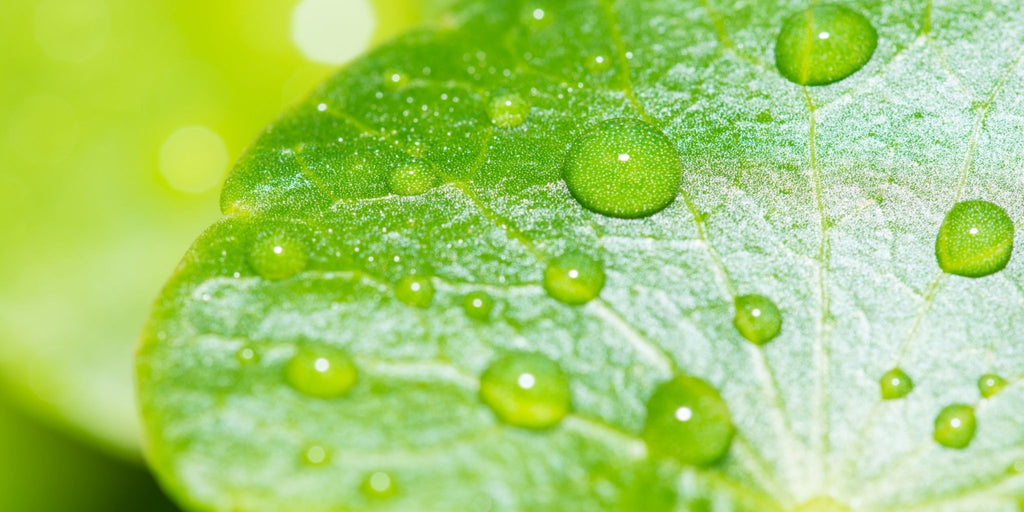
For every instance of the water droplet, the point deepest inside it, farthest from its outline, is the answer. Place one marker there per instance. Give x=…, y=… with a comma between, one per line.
x=824, y=44
x=379, y=485
x=247, y=355
x=315, y=455
x=323, y=373
x=623, y=168
x=574, y=278
x=955, y=425
x=394, y=79
x=414, y=178
x=598, y=63
x=538, y=18
x=895, y=384
x=757, y=318
x=990, y=384
x=688, y=420
x=478, y=305
x=822, y=504
x=415, y=291
x=508, y=110
x=277, y=256
x=975, y=239
x=526, y=390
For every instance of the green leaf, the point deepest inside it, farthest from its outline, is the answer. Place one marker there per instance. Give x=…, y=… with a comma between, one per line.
x=477, y=261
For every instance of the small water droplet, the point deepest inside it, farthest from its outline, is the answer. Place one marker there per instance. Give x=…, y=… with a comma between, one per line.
x=278, y=256
x=322, y=373
x=414, y=178
x=824, y=44
x=315, y=455
x=508, y=110
x=478, y=305
x=379, y=485
x=975, y=239
x=394, y=79
x=688, y=420
x=623, y=168
x=574, y=278
x=598, y=63
x=990, y=384
x=895, y=383
x=526, y=390
x=538, y=18
x=415, y=291
x=247, y=355
x=757, y=318
x=955, y=426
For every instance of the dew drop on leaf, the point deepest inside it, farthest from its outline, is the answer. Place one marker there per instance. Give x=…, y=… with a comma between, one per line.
x=975, y=239
x=757, y=318
x=478, y=305
x=688, y=420
x=895, y=384
x=955, y=425
x=990, y=384
x=623, y=168
x=824, y=44
x=413, y=179
x=278, y=256
x=394, y=79
x=315, y=455
x=574, y=278
x=247, y=355
x=323, y=373
x=378, y=485
x=415, y=291
x=508, y=110
x=598, y=63
x=526, y=390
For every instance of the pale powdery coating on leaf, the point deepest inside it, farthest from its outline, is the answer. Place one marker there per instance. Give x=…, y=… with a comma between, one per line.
x=828, y=200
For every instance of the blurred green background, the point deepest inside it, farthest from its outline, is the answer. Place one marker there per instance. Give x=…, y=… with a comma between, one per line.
x=118, y=121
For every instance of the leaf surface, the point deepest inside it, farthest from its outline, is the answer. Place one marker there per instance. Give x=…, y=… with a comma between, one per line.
x=827, y=200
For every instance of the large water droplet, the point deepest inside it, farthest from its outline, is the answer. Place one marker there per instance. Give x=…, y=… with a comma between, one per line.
x=278, y=256
x=415, y=291
x=975, y=239
x=526, y=390
x=824, y=44
x=955, y=425
x=574, y=278
x=413, y=179
x=478, y=305
x=322, y=373
x=757, y=318
x=990, y=384
x=379, y=485
x=895, y=384
x=508, y=110
x=688, y=420
x=623, y=168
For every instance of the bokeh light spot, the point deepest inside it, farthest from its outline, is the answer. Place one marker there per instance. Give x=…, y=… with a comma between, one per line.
x=193, y=159
x=332, y=31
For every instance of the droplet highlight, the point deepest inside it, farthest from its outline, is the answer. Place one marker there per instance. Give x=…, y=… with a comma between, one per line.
x=824, y=44
x=526, y=390
x=478, y=305
x=895, y=384
x=990, y=385
x=415, y=291
x=623, y=168
x=975, y=239
x=955, y=426
x=508, y=110
x=757, y=318
x=413, y=179
x=322, y=373
x=574, y=278
x=688, y=420
x=278, y=256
